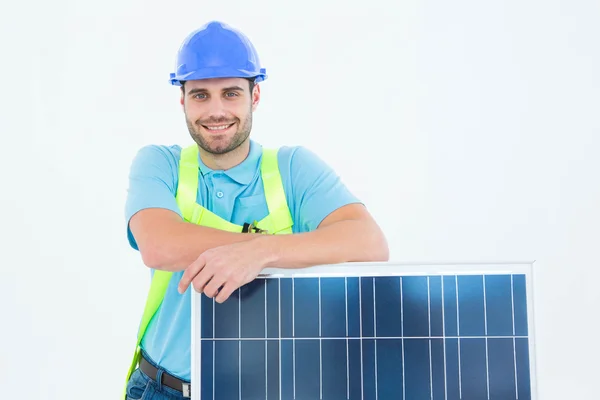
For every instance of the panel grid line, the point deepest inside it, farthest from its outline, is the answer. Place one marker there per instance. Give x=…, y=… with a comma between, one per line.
x=347, y=351
x=444, y=341
x=239, y=292
x=214, y=348
x=402, y=334
x=458, y=334
x=294, y=332
x=512, y=301
x=320, y=347
x=375, y=335
x=480, y=337
x=487, y=364
x=266, y=355
x=279, y=339
x=362, y=392
x=429, y=322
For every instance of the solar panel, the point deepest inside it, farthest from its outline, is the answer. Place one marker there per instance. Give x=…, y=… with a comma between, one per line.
x=369, y=331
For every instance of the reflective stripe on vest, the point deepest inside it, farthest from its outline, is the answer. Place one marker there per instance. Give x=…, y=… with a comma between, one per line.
x=278, y=221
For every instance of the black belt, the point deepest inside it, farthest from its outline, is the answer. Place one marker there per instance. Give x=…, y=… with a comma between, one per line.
x=168, y=380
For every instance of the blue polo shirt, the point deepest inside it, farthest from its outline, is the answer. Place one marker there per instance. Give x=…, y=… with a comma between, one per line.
x=313, y=190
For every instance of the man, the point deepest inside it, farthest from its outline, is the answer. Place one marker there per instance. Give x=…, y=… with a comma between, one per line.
x=214, y=214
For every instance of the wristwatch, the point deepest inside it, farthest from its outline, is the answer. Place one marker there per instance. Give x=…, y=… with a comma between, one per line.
x=252, y=228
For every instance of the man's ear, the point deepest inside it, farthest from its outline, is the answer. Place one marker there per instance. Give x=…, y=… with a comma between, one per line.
x=255, y=96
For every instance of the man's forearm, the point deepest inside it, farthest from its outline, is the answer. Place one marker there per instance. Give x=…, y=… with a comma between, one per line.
x=347, y=235
x=176, y=249
x=343, y=241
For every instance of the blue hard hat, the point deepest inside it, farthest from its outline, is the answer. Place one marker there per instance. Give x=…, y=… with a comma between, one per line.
x=217, y=50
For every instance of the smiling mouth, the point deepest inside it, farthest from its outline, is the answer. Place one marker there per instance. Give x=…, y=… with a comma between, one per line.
x=218, y=128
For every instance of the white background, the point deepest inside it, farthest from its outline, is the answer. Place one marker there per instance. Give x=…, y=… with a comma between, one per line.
x=470, y=128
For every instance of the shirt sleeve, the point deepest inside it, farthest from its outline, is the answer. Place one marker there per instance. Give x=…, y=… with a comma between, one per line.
x=317, y=189
x=152, y=182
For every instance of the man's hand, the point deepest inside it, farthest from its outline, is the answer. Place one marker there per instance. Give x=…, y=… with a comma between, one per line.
x=221, y=270
x=349, y=234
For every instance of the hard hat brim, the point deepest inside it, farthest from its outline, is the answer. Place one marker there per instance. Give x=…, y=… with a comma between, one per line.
x=217, y=72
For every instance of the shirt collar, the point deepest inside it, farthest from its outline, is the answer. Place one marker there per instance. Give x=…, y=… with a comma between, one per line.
x=244, y=172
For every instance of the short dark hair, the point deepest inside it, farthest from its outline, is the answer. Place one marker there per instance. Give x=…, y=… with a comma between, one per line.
x=251, y=84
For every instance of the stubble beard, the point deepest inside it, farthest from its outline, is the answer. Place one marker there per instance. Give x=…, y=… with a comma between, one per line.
x=240, y=136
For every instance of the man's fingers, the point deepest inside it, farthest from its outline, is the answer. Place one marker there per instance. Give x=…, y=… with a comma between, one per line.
x=212, y=287
x=203, y=278
x=226, y=291
x=190, y=273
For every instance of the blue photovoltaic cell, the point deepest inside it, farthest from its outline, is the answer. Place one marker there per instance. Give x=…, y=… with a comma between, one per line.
x=273, y=369
x=473, y=368
x=272, y=308
x=416, y=369
x=498, y=305
x=520, y=305
x=287, y=361
x=393, y=337
x=470, y=306
x=436, y=317
x=523, y=377
x=334, y=368
x=368, y=368
x=450, y=305
x=388, y=307
x=453, y=377
x=389, y=371
x=437, y=368
x=354, y=368
x=352, y=307
x=367, y=307
x=501, y=359
x=306, y=296
x=333, y=308
x=415, y=306
x=308, y=369
x=253, y=322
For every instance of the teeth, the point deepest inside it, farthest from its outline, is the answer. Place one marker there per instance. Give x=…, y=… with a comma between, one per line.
x=217, y=128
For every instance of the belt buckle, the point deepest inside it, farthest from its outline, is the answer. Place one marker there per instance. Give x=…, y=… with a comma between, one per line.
x=186, y=390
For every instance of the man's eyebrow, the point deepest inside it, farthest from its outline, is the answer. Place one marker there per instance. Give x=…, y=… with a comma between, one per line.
x=232, y=88
x=203, y=90
x=197, y=90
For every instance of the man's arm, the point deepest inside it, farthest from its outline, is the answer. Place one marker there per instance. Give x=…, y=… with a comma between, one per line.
x=334, y=226
x=167, y=242
x=155, y=225
x=349, y=234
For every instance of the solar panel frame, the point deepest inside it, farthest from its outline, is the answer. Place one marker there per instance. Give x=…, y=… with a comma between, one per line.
x=389, y=269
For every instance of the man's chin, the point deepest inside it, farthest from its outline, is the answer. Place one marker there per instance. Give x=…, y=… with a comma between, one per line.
x=218, y=146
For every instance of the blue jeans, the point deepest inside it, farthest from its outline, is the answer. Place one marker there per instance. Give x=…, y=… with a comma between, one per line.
x=141, y=387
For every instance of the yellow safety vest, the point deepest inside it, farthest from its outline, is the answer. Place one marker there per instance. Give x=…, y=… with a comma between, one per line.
x=278, y=221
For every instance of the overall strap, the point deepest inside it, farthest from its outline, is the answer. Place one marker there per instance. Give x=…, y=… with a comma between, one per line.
x=158, y=288
x=279, y=220
x=187, y=187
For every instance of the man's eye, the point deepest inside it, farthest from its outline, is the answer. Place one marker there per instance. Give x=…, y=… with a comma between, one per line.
x=197, y=96
x=230, y=94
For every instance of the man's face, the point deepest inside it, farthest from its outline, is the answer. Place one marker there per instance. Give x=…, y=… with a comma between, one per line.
x=218, y=112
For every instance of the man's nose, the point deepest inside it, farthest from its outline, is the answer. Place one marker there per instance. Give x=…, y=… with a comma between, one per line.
x=216, y=109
